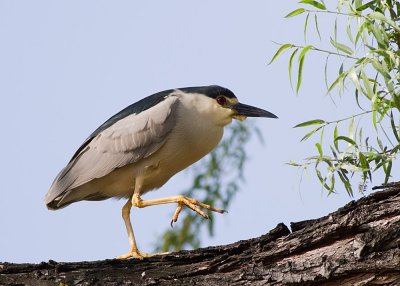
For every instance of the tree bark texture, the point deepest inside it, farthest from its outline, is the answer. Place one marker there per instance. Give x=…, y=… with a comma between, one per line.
x=359, y=244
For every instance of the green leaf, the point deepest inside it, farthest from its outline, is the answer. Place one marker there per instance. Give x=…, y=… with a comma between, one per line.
x=378, y=166
x=316, y=25
x=360, y=33
x=356, y=92
x=352, y=9
x=379, y=143
x=292, y=163
x=357, y=3
x=340, y=69
x=347, y=139
x=341, y=47
x=295, y=12
x=304, y=51
x=382, y=69
x=280, y=51
x=335, y=136
x=345, y=182
x=350, y=133
x=290, y=65
x=332, y=184
x=348, y=30
x=335, y=30
x=365, y=6
x=299, y=74
x=369, y=92
x=301, y=63
x=355, y=79
x=310, y=122
x=326, y=73
x=363, y=161
x=337, y=81
x=325, y=159
x=388, y=170
x=383, y=112
x=314, y=3
x=379, y=16
x=374, y=115
x=321, y=179
x=305, y=27
x=365, y=165
x=319, y=147
x=305, y=137
x=395, y=149
x=378, y=34
x=334, y=153
x=395, y=132
x=350, y=167
x=321, y=138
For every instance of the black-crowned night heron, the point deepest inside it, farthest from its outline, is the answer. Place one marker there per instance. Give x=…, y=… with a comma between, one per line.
x=140, y=148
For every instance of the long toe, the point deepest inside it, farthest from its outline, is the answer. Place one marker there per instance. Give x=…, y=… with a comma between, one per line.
x=203, y=205
x=132, y=254
x=139, y=255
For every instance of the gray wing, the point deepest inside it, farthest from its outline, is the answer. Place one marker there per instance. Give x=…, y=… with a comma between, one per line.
x=127, y=141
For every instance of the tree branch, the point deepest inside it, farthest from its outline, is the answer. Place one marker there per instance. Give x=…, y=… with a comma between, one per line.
x=356, y=245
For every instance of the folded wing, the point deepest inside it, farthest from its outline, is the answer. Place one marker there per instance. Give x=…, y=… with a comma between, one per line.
x=128, y=140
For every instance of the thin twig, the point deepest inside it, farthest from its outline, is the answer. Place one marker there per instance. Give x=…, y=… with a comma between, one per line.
x=350, y=117
x=322, y=51
x=334, y=12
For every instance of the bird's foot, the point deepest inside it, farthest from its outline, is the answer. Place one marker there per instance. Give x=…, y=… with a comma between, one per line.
x=132, y=254
x=193, y=205
x=136, y=254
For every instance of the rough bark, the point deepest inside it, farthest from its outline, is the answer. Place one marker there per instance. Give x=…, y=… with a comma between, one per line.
x=359, y=244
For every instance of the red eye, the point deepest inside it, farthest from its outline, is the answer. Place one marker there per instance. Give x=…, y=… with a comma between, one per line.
x=221, y=100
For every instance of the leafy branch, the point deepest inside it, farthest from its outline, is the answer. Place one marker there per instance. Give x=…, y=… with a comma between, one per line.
x=371, y=66
x=354, y=157
x=309, y=47
x=322, y=123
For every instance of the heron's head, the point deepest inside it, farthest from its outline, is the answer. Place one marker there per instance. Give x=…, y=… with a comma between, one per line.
x=222, y=105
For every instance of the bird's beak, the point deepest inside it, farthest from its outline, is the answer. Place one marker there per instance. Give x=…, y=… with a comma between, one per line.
x=243, y=110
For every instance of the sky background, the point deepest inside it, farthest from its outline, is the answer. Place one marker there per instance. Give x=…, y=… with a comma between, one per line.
x=67, y=66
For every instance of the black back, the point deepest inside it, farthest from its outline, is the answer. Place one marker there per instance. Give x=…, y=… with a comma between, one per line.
x=212, y=91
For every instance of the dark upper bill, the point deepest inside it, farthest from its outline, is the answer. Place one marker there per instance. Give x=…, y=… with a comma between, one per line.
x=251, y=111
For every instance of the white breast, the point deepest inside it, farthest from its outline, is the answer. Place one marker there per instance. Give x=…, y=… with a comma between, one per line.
x=199, y=129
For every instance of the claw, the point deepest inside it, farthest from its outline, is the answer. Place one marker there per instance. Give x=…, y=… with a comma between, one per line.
x=177, y=212
x=191, y=203
x=133, y=254
x=194, y=206
x=136, y=254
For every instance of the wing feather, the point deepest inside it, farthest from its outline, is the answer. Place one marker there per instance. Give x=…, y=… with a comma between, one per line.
x=127, y=141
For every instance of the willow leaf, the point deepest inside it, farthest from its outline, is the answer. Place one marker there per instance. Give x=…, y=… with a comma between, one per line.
x=347, y=139
x=316, y=4
x=305, y=137
x=290, y=66
x=341, y=47
x=280, y=51
x=310, y=122
x=295, y=12
x=379, y=16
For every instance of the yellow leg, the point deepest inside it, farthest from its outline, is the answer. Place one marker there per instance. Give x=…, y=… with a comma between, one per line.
x=134, y=252
x=180, y=200
x=136, y=201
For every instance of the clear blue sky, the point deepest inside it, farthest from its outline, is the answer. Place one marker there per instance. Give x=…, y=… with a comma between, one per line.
x=67, y=66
